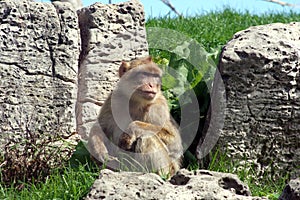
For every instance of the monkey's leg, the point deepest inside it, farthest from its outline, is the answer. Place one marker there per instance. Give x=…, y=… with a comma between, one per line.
x=151, y=142
x=168, y=135
x=154, y=155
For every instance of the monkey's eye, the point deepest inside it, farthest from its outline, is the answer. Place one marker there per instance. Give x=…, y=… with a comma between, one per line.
x=147, y=74
x=157, y=79
x=142, y=76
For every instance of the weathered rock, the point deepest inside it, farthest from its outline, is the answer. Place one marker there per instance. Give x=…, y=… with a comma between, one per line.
x=291, y=190
x=40, y=48
x=260, y=70
x=110, y=33
x=76, y=4
x=200, y=184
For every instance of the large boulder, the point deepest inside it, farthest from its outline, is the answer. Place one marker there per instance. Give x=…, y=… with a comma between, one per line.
x=40, y=47
x=110, y=33
x=260, y=70
x=200, y=184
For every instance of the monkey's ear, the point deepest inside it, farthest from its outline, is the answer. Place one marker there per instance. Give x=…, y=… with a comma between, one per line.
x=149, y=59
x=123, y=68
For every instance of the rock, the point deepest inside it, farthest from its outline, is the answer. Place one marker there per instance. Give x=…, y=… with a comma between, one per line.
x=260, y=71
x=40, y=46
x=110, y=33
x=76, y=4
x=200, y=184
x=291, y=190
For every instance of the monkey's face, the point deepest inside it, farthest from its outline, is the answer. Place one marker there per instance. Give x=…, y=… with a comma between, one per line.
x=142, y=82
x=148, y=85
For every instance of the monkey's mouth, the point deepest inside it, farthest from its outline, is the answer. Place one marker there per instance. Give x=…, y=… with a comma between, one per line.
x=148, y=94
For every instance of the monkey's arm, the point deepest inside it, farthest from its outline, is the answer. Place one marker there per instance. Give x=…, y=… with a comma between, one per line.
x=96, y=145
x=138, y=128
x=161, y=145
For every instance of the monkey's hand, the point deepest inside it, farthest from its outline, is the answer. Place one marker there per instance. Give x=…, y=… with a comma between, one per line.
x=128, y=138
x=135, y=130
x=126, y=141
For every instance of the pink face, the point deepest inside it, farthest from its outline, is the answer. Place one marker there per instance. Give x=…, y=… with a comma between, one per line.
x=145, y=81
x=149, y=84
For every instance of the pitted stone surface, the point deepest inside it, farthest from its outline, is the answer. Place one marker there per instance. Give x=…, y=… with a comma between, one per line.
x=110, y=33
x=200, y=184
x=260, y=69
x=40, y=47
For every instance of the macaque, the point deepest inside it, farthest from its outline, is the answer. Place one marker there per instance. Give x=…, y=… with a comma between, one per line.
x=135, y=120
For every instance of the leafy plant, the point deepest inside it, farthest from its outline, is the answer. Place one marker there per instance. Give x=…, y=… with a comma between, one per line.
x=189, y=72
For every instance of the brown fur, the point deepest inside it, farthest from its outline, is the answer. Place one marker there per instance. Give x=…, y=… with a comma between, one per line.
x=149, y=130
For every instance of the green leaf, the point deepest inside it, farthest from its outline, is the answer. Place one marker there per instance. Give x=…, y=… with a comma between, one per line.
x=81, y=155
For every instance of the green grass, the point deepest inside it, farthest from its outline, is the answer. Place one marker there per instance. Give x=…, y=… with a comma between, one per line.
x=212, y=30
x=215, y=29
x=75, y=182
x=259, y=186
x=67, y=183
